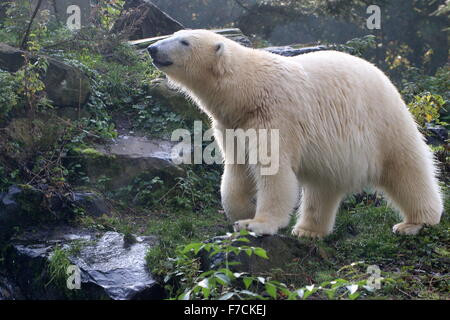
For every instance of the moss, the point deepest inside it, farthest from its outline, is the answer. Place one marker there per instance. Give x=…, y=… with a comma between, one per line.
x=90, y=152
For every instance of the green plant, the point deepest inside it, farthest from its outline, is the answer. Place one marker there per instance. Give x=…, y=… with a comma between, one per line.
x=185, y=280
x=58, y=264
x=426, y=108
x=107, y=12
x=9, y=98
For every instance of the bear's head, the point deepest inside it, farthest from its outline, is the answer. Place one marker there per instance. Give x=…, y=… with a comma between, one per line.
x=192, y=55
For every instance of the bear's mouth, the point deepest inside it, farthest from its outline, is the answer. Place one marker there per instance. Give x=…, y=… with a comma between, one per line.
x=159, y=63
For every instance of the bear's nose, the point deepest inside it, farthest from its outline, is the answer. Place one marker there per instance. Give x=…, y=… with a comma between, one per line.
x=152, y=50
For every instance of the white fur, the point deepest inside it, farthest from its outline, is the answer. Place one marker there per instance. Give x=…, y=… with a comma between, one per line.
x=343, y=126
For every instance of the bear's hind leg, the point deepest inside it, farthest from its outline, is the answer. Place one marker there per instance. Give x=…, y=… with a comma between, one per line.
x=414, y=190
x=317, y=212
x=237, y=192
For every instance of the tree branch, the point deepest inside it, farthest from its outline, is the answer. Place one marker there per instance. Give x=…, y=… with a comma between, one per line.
x=27, y=33
x=240, y=4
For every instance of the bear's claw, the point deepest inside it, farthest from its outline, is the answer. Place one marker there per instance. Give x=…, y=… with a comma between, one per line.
x=407, y=228
x=258, y=227
x=303, y=233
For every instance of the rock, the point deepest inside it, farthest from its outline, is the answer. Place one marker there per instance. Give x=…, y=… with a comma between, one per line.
x=172, y=99
x=280, y=249
x=288, y=51
x=92, y=203
x=234, y=34
x=127, y=157
x=9, y=290
x=66, y=85
x=24, y=206
x=142, y=19
x=438, y=134
x=11, y=59
x=3, y=8
x=110, y=267
x=20, y=206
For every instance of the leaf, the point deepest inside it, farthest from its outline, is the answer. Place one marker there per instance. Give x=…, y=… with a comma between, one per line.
x=352, y=288
x=248, y=282
x=206, y=292
x=185, y=296
x=271, y=290
x=310, y=288
x=222, y=278
x=244, y=232
x=227, y=296
x=204, y=283
x=192, y=246
x=252, y=294
x=260, y=252
x=354, y=296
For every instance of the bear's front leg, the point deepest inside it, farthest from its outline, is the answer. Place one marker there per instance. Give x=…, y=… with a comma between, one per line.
x=277, y=196
x=317, y=211
x=238, y=191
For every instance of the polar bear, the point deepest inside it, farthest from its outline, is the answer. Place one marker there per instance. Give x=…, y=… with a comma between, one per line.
x=342, y=126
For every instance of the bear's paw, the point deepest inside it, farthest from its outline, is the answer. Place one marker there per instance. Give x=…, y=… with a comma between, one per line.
x=257, y=226
x=303, y=233
x=407, y=228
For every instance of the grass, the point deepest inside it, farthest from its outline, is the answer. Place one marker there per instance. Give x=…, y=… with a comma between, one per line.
x=413, y=267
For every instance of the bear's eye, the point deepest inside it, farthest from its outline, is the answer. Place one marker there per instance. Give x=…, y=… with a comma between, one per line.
x=184, y=43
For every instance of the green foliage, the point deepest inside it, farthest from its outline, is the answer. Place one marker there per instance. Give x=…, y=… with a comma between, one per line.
x=417, y=84
x=23, y=90
x=9, y=98
x=57, y=267
x=195, y=191
x=33, y=89
x=357, y=46
x=107, y=12
x=426, y=109
x=16, y=19
x=186, y=281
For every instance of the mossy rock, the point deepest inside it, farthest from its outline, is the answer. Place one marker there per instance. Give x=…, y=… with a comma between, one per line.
x=117, y=165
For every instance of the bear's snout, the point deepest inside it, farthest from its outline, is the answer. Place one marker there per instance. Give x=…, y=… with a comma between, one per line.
x=159, y=60
x=152, y=50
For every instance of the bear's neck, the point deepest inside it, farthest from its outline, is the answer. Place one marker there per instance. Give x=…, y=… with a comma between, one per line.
x=241, y=95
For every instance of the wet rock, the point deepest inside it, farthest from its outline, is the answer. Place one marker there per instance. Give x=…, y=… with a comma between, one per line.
x=110, y=267
x=117, y=164
x=288, y=51
x=65, y=85
x=142, y=19
x=9, y=290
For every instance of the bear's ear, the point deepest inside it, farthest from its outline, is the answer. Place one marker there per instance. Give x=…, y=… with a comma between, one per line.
x=220, y=48
x=221, y=66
